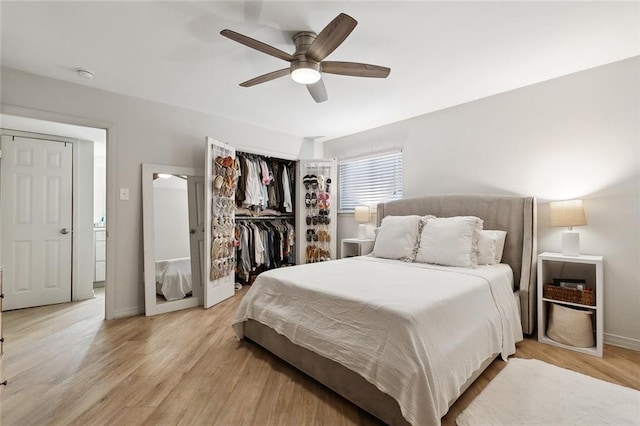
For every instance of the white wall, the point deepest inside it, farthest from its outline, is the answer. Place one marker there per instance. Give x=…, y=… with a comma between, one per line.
x=577, y=136
x=144, y=132
x=171, y=218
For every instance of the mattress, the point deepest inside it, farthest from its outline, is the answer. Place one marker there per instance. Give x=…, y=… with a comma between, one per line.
x=417, y=332
x=173, y=278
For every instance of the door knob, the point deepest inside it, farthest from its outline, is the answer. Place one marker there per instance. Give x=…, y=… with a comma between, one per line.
x=193, y=231
x=64, y=231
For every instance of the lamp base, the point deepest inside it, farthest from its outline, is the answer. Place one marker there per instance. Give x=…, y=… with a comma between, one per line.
x=362, y=231
x=571, y=243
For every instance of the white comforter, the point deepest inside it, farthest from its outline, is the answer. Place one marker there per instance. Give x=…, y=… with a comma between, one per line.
x=416, y=331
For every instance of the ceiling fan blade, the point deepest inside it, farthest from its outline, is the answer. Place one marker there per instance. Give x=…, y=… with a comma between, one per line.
x=266, y=77
x=258, y=45
x=355, y=69
x=318, y=91
x=331, y=37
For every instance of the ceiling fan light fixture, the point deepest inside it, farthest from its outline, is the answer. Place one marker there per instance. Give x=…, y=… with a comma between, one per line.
x=307, y=62
x=305, y=75
x=305, y=72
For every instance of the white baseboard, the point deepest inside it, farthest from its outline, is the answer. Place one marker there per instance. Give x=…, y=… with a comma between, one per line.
x=623, y=342
x=85, y=296
x=128, y=312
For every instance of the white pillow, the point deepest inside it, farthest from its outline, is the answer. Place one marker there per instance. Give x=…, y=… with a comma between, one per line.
x=423, y=221
x=450, y=241
x=397, y=237
x=501, y=237
x=487, y=248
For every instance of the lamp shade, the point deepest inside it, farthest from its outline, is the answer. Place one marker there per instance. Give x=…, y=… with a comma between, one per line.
x=567, y=213
x=362, y=214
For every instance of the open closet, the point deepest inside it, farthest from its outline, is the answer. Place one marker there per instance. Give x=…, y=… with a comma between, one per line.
x=252, y=213
x=282, y=215
x=265, y=215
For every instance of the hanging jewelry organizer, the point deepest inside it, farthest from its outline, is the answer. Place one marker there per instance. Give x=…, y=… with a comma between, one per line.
x=318, y=182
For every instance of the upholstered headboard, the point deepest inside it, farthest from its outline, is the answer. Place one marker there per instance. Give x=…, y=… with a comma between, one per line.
x=516, y=215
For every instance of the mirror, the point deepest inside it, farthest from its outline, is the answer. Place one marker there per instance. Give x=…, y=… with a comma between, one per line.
x=173, y=227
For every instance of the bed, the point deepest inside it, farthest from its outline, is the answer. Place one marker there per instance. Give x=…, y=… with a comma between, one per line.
x=173, y=278
x=342, y=324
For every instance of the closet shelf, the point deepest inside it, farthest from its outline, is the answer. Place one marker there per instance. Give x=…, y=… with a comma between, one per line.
x=284, y=216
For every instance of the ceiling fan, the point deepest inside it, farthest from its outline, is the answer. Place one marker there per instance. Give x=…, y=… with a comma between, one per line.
x=307, y=62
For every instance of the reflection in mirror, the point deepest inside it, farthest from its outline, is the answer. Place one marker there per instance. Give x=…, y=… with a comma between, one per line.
x=171, y=231
x=173, y=237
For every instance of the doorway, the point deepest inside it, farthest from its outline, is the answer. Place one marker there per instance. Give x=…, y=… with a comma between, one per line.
x=36, y=221
x=87, y=229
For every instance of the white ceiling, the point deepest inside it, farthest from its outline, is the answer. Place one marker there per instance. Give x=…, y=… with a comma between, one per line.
x=440, y=53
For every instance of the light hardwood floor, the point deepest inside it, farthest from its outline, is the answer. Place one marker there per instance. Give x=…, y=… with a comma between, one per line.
x=65, y=365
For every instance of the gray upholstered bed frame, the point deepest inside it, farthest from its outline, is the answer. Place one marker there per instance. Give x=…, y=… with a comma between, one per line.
x=516, y=215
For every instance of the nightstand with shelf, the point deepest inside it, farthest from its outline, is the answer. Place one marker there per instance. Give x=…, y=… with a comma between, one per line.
x=556, y=266
x=356, y=247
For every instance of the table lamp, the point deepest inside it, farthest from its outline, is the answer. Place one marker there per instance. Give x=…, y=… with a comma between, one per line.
x=362, y=214
x=568, y=213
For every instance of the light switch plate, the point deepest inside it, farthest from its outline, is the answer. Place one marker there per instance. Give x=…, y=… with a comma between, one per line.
x=124, y=194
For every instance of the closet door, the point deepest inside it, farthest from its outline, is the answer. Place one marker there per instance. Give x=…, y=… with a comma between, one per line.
x=195, y=196
x=220, y=184
x=316, y=210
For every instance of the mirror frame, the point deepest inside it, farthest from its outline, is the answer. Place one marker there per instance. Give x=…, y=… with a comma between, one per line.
x=148, y=229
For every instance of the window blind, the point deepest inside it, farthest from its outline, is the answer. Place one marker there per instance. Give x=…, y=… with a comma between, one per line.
x=369, y=181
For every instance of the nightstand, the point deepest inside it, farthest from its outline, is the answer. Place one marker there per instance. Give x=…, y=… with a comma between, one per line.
x=583, y=268
x=356, y=247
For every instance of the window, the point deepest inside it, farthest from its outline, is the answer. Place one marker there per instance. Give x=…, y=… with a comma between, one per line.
x=369, y=181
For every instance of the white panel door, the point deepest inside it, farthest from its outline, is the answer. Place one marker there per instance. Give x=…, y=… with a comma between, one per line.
x=36, y=221
x=195, y=193
x=220, y=257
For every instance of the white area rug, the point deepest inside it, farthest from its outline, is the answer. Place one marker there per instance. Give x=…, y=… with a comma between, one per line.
x=532, y=392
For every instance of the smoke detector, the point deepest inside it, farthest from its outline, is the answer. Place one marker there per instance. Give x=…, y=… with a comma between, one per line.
x=85, y=74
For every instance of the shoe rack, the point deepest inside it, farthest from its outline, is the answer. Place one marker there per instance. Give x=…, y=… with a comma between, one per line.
x=317, y=198
x=221, y=174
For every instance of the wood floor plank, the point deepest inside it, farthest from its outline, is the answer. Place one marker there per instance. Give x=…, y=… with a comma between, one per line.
x=65, y=365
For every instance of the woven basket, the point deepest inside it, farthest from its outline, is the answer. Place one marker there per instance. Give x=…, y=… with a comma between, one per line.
x=570, y=326
x=571, y=295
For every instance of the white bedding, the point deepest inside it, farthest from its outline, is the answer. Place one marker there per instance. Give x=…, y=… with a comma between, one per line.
x=173, y=278
x=416, y=331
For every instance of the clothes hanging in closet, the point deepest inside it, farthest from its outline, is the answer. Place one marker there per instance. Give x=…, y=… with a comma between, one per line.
x=265, y=183
x=264, y=245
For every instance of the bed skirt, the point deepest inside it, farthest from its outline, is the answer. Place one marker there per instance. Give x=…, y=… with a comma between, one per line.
x=335, y=376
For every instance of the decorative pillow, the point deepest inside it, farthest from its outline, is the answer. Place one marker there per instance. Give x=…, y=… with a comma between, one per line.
x=423, y=221
x=397, y=238
x=487, y=248
x=501, y=237
x=450, y=241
